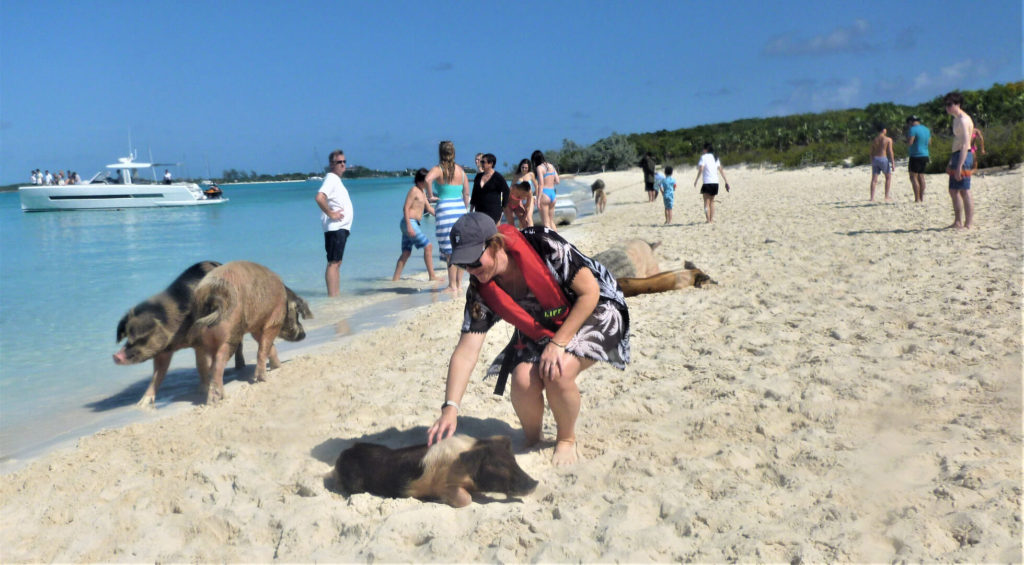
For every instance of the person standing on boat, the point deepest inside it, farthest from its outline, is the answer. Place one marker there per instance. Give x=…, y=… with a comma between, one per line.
x=167, y=176
x=336, y=219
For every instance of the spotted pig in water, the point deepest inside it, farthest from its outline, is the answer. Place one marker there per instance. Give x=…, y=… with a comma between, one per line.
x=158, y=326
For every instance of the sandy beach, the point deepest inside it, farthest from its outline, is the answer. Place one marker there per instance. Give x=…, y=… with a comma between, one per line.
x=850, y=390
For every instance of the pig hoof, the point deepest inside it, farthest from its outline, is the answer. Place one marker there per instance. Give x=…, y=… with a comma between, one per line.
x=146, y=402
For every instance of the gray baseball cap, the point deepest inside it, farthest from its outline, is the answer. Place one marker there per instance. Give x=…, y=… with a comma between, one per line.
x=469, y=236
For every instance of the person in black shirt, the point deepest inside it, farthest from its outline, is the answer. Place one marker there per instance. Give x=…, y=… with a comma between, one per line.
x=490, y=190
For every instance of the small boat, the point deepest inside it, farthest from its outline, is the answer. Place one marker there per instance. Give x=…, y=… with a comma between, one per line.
x=119, y=188
x=213, y=191
x=565, y=211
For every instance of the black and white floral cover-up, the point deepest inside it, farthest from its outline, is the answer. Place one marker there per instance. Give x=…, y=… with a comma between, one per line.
x=604, y=336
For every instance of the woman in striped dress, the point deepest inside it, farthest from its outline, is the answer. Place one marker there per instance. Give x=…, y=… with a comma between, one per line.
x=452, y=186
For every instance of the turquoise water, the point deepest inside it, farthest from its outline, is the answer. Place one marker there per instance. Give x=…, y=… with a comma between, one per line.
x=66, y=278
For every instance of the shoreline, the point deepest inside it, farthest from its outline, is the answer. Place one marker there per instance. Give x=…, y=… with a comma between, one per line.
x=848, y=391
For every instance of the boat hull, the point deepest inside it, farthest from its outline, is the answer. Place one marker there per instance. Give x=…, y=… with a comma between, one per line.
x=565, y=212
x=111, y=196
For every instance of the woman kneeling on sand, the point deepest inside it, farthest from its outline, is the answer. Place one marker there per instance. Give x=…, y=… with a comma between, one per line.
x=568, y=313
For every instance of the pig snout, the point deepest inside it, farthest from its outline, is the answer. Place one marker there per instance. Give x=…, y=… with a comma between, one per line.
x=120, y=358
x=522, y=484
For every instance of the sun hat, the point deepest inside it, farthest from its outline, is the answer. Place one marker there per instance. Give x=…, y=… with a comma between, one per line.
x=469, y=236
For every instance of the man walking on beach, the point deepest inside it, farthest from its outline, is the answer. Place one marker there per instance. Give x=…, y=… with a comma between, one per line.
x=919, y=138
x=412, y=212
x=960, y=162
x=648, y=166
x=335, y=217
x=882, y=161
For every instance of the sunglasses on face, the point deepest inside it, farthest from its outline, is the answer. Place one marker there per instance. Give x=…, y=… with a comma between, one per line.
x=342, y=162
x=468, y=266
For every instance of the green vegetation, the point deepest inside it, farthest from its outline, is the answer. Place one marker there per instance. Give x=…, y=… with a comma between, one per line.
x=356, y=171
x=830, y=138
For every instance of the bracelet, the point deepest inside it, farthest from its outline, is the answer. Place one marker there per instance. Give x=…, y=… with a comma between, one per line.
x=450, y=403
x=558, y=344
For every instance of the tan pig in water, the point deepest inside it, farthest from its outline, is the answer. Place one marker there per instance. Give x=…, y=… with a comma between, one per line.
x=237, y=298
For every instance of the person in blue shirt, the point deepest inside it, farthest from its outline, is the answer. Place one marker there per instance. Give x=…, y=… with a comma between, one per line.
x=919, y=138
x=668, y=193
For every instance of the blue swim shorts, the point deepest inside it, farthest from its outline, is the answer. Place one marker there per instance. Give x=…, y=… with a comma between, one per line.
x=880, y=165
x=965, y=181
x=420, y=241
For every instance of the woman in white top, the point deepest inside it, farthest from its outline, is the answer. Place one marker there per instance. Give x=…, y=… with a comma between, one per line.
x=708, y=168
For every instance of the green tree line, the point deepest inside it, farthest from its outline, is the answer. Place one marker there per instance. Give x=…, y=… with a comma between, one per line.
x=830, y=138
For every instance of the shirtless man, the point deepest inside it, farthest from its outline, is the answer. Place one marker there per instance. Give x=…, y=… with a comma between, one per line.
x=960, y=162
x=412, y=213
x=882, y=162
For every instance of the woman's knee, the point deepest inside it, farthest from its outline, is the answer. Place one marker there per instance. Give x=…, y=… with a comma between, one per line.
x=526, y=379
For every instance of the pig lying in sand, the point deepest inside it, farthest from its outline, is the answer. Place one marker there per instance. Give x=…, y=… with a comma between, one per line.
x=156, y=328
x=635, y=267
x=237, y=298
x=449, y=470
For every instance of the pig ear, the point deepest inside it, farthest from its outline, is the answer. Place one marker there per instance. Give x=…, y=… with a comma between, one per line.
x=473, y=458
x=304, y=309
x=503, y=442
x=121, y=328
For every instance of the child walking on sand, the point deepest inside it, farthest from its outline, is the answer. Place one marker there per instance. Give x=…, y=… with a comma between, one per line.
x=709, y=168
x=412, y=213
x=668, y=193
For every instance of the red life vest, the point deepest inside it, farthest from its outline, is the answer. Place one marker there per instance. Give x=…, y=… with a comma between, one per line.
x=538, y=278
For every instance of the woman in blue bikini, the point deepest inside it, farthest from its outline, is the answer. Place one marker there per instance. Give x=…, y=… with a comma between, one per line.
x=453, y=193
x=547, y=178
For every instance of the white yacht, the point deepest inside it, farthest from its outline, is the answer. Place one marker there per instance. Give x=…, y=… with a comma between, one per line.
x=120, y=187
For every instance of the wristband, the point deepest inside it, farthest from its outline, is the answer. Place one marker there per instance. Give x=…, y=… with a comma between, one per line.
x=450, y=403
x=558, y=344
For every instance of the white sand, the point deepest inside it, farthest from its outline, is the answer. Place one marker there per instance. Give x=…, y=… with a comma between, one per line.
x=850, y=391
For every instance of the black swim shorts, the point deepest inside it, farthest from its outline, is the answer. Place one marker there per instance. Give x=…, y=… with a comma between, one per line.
x=709, y=188
x=649, y=186
x=918, y=164
x=334, y=244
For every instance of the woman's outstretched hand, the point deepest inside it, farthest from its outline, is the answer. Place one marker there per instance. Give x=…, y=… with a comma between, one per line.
x=445, y=425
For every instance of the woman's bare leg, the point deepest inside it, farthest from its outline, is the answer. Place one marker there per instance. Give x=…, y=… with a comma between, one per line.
x=528, y=401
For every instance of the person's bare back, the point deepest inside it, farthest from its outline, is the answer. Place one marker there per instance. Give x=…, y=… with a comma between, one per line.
x=881, y=146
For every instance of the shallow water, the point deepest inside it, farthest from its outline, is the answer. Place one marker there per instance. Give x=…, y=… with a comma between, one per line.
x=68, y=278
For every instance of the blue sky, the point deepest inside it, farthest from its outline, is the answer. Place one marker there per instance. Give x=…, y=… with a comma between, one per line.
x=273, y=86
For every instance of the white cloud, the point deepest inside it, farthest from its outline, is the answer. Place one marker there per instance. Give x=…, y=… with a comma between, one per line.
x=846, y=39
x=815, y=96
x=950, y=77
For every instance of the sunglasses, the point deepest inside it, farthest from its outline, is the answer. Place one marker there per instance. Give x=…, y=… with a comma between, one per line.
x=342, y=162
x=467, y=266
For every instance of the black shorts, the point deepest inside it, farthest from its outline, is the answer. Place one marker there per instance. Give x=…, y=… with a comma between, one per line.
x=917, y=164
x=334, y=244
x=649, y=186
x=710, y=188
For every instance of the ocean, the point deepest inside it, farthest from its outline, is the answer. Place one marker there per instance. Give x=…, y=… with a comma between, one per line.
x=67, y=278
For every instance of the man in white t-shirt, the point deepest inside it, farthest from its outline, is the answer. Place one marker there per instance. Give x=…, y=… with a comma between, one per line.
x=335, y=217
